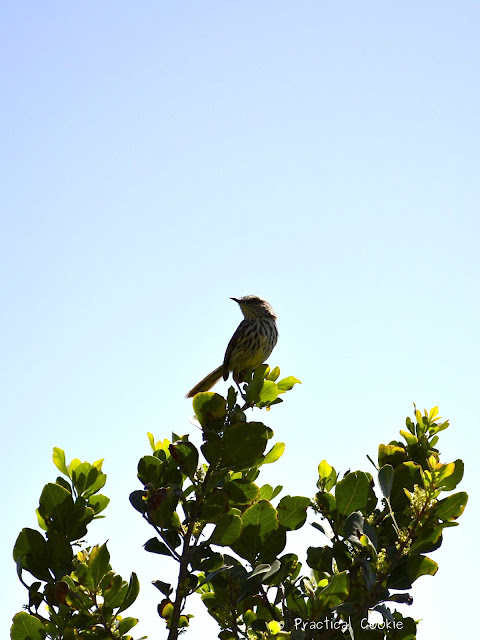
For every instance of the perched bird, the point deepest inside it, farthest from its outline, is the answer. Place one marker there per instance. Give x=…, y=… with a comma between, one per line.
x=250, y=345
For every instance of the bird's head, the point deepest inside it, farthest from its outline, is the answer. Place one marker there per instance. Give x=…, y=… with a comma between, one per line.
x=255, y=307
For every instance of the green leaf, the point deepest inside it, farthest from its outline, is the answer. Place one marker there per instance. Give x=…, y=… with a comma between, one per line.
x=449, y=483
x=436, y=428
x=244, y=444
x=289, y=567
x=421, y=425
x=210, y=409
x=385, y=480
x=165, y=610
x=405, y=476
x=266, y=570
x=255, y=385
x=64, y=483
x=335, y=592
x=231, y=398
x=78, y=521
x=292, y=512
x=351, y=493
x=132, y=593
x=98, y=503
x=327, y=476
x=241, y=492
x=137, y=500
x=172, y=538
x=26, y=627
x=268, y=393
x=421, y=566
x=409, y=437
x=287, y=383
x=410, y=425
x=266, y=492
x=150, y=470
x=59, y=460
x=274, y=373
x=56, y=507
x=214, y=507
x=212, y=449
x=273, y=546
x=184, y=621
x=206, y=560
x=161, y=507
x=326, y=503
x=276, y=491
x=452, y=507
x=31, y=550
x=72, y=466
x=274, y=627
x=320, y=559
x=60, y=554
x=35, y=596
x=95, y=485
x=408, y=631
x=391, y=454
x=154, y=545
x=92, y=476
x=258, y=521
x=186, y=454
x=428, y=540
x=324, y=470
x=275, y=453
x=227, y=530
x=126, y=624
x=368, y=545
x=409, y=569
x=151, y=440
x=83, y=474
x=260, y=569
x=353, y=527
x=114, y=594
x=163, y=587
x=98, y=563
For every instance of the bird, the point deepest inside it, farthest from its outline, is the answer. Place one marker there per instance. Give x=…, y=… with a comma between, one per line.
x=250, y=345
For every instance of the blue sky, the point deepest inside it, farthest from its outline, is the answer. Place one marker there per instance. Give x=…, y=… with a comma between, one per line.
x=158, y=158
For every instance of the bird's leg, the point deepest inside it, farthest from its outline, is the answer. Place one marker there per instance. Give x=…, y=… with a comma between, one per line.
x=239, y=389
x=247, y=404
x=237, y=381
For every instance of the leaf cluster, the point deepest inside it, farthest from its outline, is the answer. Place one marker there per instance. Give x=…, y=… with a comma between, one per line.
x=379, y=530
x=75, y=594
x=200, y=506
x=228, y=533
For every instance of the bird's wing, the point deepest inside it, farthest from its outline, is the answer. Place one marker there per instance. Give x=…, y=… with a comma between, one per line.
x=226, y=361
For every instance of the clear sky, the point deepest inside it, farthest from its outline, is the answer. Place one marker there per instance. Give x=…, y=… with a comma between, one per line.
x=156, y=159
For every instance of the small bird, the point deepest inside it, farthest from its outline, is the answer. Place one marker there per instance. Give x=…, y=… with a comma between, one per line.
x=250, y=345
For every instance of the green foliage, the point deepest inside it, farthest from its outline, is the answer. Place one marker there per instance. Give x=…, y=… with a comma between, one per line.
x=378, y=539
x=375, y=530
x=262, y=390
x=199, y=508
x=76, y=594
x=228, y=532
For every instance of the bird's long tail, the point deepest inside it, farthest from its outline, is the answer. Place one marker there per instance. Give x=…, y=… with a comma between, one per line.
x=207, y=382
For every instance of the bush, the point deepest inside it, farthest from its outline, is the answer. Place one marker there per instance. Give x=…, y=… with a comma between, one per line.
x=228, y=533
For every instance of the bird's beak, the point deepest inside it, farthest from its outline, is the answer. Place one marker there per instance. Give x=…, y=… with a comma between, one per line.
x=236, y=300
